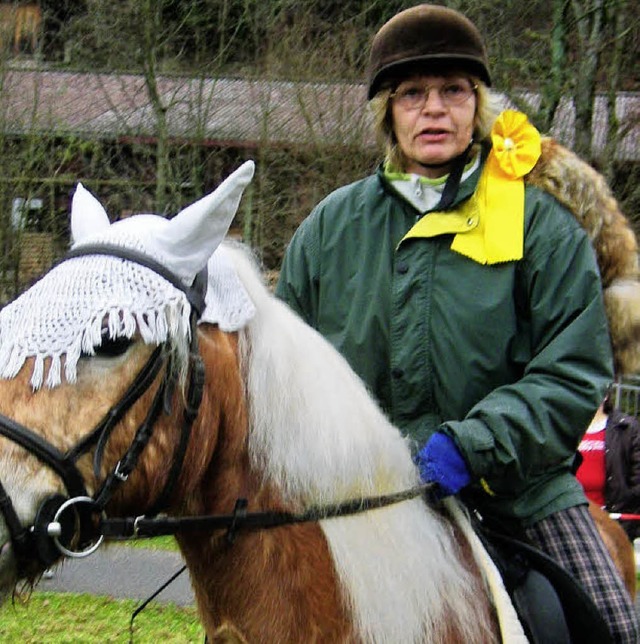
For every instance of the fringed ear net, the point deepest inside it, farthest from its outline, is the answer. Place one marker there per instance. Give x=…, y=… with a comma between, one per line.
x=585, y=193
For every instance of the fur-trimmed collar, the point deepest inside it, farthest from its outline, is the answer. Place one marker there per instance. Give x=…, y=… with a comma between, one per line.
x=583, y=191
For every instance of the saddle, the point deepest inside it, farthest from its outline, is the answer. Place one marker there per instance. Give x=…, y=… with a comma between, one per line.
x=551, y=605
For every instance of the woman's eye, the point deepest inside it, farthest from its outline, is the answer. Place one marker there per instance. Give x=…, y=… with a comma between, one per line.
x=453, y=89
x=411, y=92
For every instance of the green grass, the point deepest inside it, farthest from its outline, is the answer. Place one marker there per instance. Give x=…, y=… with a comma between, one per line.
x=67, y=618
x=157, y=543
x=70, y=618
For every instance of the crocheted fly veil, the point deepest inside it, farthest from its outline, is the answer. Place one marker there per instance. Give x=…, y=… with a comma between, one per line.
x=83, y=299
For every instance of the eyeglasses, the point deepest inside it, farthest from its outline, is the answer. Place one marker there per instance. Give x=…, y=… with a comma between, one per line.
x=414, y=97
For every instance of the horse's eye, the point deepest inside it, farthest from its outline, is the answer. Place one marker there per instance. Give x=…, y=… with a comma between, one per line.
x=112, y=347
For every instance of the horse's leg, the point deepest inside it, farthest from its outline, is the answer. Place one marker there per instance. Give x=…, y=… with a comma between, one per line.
x=227, y=634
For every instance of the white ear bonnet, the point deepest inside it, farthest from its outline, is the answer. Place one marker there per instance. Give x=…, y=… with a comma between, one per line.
x=64, y=314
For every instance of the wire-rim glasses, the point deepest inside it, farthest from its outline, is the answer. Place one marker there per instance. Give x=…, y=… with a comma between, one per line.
x=413, y=96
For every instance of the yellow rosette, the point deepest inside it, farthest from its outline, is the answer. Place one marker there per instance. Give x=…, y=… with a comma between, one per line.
x=516, y=145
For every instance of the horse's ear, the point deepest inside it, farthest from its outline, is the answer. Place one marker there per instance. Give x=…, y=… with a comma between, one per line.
x=195, y=232
x=87, y=214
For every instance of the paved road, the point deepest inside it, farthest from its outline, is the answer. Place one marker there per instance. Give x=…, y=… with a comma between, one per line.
x=136, y=573
x=123, y=572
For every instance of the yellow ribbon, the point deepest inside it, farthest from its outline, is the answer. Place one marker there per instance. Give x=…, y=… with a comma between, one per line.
x=489, y=226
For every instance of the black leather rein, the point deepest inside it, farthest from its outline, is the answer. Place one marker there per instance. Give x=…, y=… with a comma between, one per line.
x=241, y=519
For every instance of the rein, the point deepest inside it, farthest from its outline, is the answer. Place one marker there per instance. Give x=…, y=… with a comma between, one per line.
x=240, y=519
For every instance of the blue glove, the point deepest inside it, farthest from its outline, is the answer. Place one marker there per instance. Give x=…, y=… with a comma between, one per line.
x=440, y=461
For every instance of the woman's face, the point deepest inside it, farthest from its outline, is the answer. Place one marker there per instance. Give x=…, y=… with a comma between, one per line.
x=433, y=119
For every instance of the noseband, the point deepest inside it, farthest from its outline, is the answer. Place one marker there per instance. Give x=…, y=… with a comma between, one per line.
x=67, y=524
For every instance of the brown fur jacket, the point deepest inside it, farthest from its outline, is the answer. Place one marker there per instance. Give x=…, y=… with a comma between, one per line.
x=586, y=194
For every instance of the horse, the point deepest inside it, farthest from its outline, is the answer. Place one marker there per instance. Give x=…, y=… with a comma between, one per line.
x=150, y=383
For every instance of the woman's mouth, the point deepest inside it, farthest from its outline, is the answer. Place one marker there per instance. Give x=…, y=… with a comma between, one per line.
x=433, y=135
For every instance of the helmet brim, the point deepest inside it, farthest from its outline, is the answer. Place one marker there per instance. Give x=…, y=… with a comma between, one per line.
x=428, y=63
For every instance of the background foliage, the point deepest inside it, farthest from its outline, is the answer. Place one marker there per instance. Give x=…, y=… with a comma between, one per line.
x=559, y=48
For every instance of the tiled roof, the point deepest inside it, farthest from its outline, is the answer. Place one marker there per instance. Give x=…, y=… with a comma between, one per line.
x=230, y=111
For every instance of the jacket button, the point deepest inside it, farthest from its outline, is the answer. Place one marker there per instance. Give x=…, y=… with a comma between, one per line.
x=402, y=267
x=397, y=373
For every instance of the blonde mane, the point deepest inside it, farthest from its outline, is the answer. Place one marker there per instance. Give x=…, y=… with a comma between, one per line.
x=318, y=437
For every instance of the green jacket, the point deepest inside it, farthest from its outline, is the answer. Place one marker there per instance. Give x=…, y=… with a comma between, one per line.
x=511, y=360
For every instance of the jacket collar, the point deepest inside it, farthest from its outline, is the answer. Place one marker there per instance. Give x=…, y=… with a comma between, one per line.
x=466, y=189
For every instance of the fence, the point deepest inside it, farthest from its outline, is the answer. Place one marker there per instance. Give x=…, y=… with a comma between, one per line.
x=627, y=395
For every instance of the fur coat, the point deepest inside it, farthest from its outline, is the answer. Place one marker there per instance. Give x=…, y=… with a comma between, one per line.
x=586, y=194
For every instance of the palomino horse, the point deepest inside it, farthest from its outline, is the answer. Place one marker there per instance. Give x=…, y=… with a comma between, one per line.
x=114, y=424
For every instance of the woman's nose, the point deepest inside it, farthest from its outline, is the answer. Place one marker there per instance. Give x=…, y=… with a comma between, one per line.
x=433, y=101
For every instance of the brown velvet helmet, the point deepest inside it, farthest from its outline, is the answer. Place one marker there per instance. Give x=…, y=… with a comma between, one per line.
x=426, y=34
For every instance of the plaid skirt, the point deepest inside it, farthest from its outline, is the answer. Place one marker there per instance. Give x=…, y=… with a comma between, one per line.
x=572, y=539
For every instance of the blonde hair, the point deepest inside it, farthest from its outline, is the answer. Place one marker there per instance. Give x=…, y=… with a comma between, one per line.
x=488, y=106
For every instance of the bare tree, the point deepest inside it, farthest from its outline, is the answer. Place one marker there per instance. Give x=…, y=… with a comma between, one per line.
x=553, y=85
x=589, y=21
x=178, y=48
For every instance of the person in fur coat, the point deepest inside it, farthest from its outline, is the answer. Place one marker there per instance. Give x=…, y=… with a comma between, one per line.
x=460, y=282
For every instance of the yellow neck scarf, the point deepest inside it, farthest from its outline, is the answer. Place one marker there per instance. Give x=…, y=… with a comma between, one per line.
x=489, y=226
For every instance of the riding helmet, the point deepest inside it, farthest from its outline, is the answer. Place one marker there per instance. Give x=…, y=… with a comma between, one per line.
x=426, y=33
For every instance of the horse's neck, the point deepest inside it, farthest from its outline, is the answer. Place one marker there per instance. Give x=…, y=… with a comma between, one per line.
x=230, y=580
x=215, y=471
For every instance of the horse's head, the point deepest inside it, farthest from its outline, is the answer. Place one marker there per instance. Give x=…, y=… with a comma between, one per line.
x=91, y=358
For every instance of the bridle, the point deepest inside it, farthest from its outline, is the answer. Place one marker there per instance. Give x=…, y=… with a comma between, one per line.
x=76, y=525
x=67, y=524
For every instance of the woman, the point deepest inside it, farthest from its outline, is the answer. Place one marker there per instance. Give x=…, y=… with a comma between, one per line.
x=468, y=300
